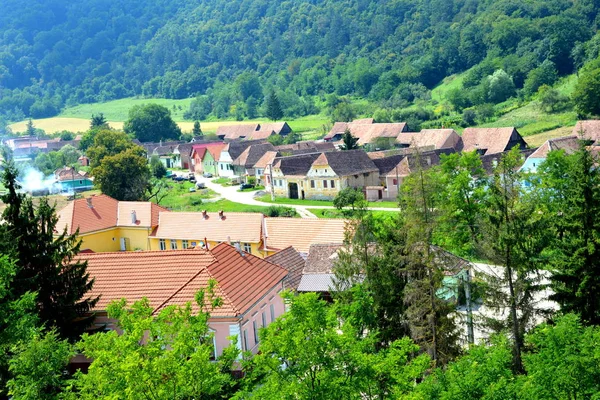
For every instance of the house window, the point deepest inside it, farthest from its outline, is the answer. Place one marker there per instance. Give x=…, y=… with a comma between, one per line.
x=325, y=184
x=325, y=170
x=264, y=319
x=280, y=183
x=312, y=184
x=184, y=244
x=173, y=244
x=221, y=167
x=246, y=340
x=272, y=313
x=162, y=244
x=395, y=182
x=255, y=327
x=247, y=247
x=81, y=182
x=332, y=184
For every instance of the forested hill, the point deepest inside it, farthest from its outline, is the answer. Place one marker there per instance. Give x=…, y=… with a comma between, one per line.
x=62, y=52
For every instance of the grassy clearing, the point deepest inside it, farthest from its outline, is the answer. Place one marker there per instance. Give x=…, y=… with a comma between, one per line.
x=449, y=83
x=324, y=203
x=221, y=181
x=180, y=198
x=327, y=213
x=117, y=110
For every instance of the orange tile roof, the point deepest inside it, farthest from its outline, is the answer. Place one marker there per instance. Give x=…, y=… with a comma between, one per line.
x=266, y=159
x=302, y=233
x=103, y=212
x=492, y=140
x=243, y=227
x=173, y=277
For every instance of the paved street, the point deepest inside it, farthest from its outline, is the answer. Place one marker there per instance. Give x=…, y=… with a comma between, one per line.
x=231, y=193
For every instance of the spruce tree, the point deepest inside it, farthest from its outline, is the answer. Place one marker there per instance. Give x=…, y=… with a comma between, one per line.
x=349, y=141
x=576, y=272
x=273, y=107
x=514, y=237
x=196, y=131
x=45, y=263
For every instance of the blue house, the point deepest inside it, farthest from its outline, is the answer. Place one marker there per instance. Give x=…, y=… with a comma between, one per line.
x=71, y=180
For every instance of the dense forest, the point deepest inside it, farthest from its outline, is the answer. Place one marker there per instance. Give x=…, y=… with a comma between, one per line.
x=231, y=53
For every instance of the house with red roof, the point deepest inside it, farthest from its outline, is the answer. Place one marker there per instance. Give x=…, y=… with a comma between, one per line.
x=248, y=286
x=105, y=224
x=205, y=157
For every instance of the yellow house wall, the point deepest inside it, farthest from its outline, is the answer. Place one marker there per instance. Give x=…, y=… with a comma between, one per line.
x=155, y=245
x=138, y=238
x=101, y=241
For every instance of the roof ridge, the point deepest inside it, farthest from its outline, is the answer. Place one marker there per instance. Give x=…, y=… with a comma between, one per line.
x=233, y=305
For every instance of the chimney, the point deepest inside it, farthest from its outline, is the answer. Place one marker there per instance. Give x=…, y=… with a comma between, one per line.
x=204, y=214
x=133, y=217
x=221, y=216
x=238, y=247
x=229, y=240
x=89, y=202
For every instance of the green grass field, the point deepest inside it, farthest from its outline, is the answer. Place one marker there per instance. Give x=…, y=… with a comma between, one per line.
x=324, y=203
x=180, y=198
x=117, y=110
x=327, y=213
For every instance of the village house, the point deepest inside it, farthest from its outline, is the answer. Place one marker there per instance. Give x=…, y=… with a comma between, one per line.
x=290, y=259
x=184, y=230
x=301, y=233
x=71, y=180
x=366, y=131
x=487, y=141
x=230, y=152
x=569, y=144
x=105, y=224
x=149, y=147
x=322, y=175
x=395, y=168
x=588, y=130
x=166, y=154
x=430, y=139
x=249, y=288
x=243, y=165
x=205, y=157
x=318, y=273
x=182, y=156
x=252, y=131
x=260, y=167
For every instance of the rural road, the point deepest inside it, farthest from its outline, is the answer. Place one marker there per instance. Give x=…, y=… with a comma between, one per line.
x=231, y=193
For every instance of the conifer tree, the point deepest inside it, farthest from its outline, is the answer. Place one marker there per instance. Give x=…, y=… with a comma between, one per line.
x=515, y=237
x=45, y=263
x=349, y=141
x=196, y=131
x=576, y=267
x=429, y=317
x=273, y=107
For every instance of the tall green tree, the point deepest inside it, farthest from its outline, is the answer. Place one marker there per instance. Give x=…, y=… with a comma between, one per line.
x=98, y=121
x=18, y=321
x=123, y=176
x=196, y=131
x=158, y=168
x=273, y=109
x=311, y=353
x=46, y=261
x=515, y=239
x=586, y=95
x=151, y=123
x=429, y=317
x=167, y=355
x=110, y=143
x=463, y=185
x=574, y=210
x=349, y=141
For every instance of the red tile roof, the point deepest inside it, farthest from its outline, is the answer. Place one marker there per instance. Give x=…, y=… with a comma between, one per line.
x=174, y=277
x=302, y=233
x=491, y=140
x=103, y=212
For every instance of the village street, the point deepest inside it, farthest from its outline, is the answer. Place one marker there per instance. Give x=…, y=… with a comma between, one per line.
x=231, y=193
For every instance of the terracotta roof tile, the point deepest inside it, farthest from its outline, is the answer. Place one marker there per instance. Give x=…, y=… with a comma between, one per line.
x=103, y=212
x=236, y=131
x=431, y=138
x=252, y=154
x=293, y=262
x=366, y=131
x=491, y=140
x=302, y=233
x=568, y=143
x=243, y=227
x=69, y=173
x=590, y=129
x=173, y=277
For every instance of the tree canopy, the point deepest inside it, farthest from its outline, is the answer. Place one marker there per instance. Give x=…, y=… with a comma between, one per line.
x=151, y=123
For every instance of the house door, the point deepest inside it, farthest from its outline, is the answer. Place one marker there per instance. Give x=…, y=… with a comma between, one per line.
x=302, y=194
x=293, y=187
x=123, y=242
x=380, y=192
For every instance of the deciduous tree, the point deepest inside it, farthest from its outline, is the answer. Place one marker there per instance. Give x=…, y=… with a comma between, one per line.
x=151, y=123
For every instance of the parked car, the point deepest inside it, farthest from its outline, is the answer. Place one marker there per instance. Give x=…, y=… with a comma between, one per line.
x=192, y=189
x=179, y=178
x=246, y=186
x=193, y=180
x=207, y=175
x=200, y=185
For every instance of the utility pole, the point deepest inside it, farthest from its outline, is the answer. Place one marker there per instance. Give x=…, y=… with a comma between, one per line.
x=470, y=335
x=270, y=166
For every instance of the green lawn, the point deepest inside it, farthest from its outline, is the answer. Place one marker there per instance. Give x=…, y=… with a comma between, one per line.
x=325, y=203
x=117, y=110
x=328, y=213
x=180, y=198
x=221, y=181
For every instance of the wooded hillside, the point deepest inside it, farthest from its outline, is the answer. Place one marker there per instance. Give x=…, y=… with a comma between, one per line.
x=59, y=52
